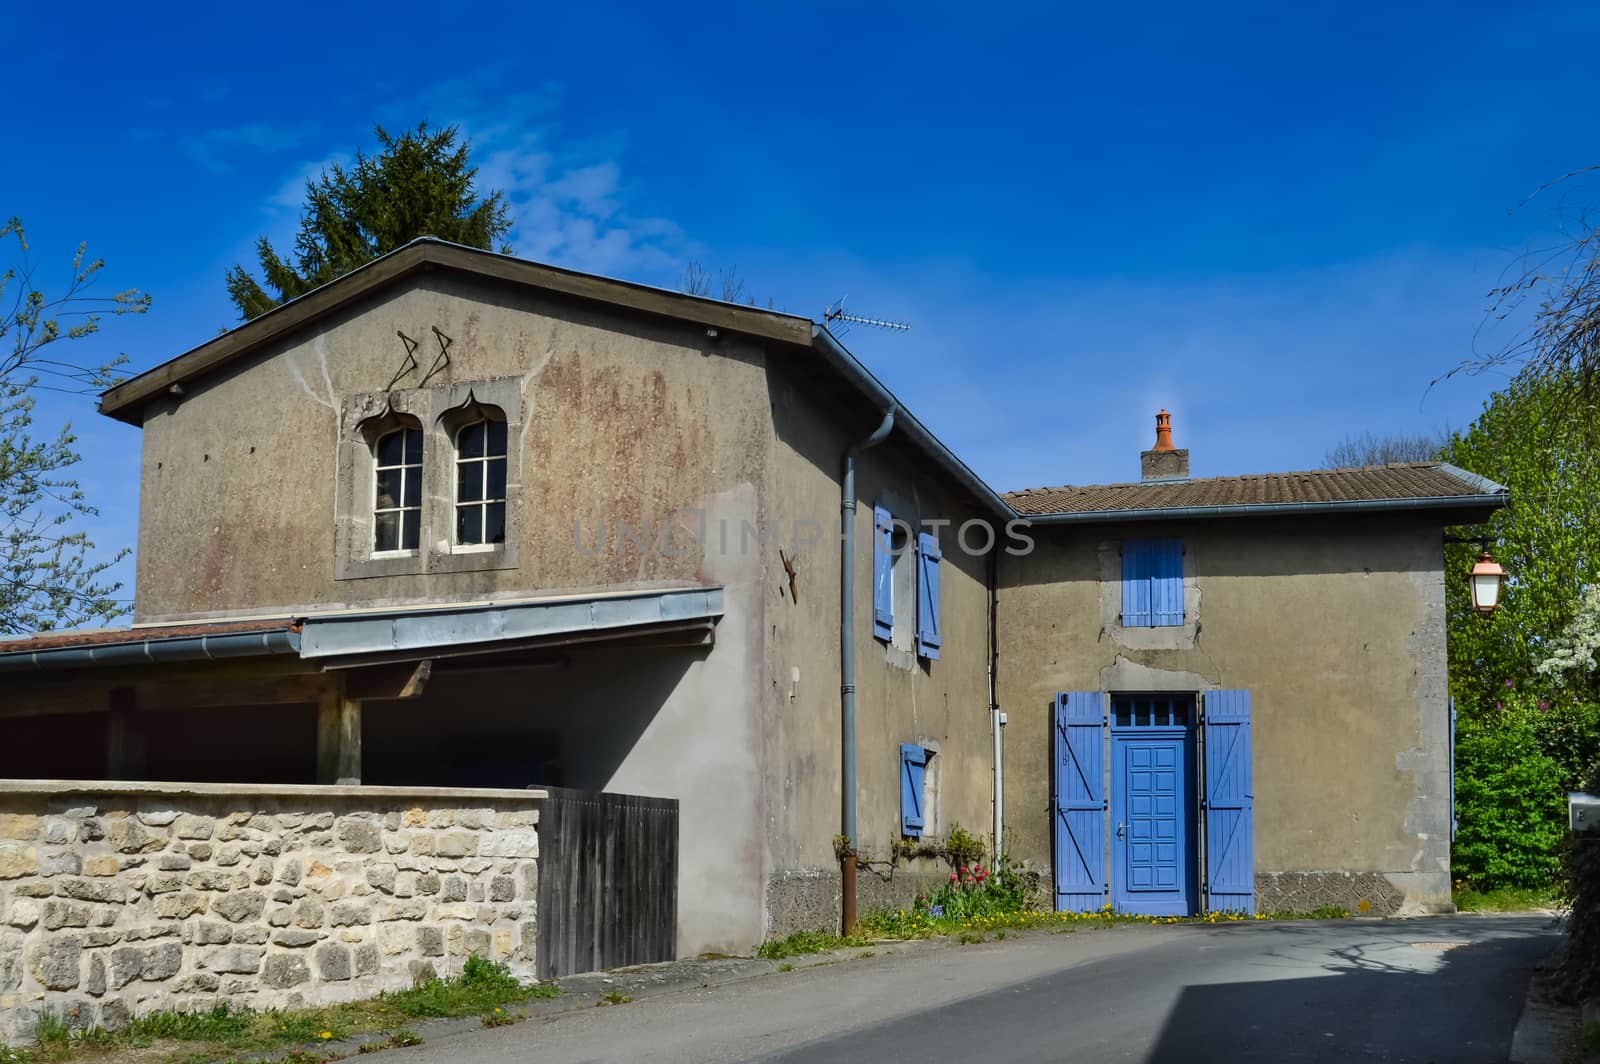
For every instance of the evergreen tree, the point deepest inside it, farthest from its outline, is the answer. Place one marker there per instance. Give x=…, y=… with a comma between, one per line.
x=419, y=184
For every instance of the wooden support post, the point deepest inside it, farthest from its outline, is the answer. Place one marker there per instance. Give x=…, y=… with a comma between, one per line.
x=125, y=746
x=338, y=736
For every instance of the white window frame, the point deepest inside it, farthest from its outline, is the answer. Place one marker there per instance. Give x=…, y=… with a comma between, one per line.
x=408, y=470
x=482, y=503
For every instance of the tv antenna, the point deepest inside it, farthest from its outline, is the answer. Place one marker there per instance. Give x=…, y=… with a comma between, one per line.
x=835, y=312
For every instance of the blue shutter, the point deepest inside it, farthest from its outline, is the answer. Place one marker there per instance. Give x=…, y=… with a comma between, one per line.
x=882, y=573
x=1230, y=842
x=1135, y=583
x=913, y=763
x=1166, y=583
x=928, y=638
x=1080, y=842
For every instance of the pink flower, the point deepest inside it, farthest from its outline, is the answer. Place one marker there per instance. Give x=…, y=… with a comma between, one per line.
x=963, y=870
x=954, y=877
x=1509, y=685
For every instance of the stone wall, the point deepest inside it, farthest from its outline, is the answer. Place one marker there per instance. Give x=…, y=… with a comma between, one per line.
x=122, y=899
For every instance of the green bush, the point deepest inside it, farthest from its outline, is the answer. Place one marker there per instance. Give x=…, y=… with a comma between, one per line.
x=1510, y=794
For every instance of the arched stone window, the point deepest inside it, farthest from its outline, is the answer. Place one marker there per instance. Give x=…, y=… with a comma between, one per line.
x=479, y=434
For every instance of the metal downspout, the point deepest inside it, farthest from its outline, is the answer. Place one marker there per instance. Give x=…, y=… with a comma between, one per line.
x=847, y=671
x=997, y=719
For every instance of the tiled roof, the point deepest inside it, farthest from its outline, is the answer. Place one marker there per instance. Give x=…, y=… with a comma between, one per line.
x=112, y=636
x=1423, y=483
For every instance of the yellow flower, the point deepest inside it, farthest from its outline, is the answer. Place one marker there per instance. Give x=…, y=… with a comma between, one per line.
x=327, y=1034
x=497, y=1008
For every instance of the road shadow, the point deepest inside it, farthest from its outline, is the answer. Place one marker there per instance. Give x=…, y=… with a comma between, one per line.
x=1396, y=1001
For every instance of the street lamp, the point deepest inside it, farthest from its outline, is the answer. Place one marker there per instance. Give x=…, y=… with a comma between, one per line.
x=1487, y=578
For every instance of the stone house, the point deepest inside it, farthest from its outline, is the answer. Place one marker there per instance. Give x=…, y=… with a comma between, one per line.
x=459, y=520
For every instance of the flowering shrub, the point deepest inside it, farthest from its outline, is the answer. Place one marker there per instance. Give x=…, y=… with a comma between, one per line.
x=974, y=891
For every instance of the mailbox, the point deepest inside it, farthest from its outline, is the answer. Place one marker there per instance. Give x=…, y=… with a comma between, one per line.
x=1583, y=812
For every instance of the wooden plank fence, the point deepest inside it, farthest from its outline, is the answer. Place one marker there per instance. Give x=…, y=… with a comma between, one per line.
x=608, y=881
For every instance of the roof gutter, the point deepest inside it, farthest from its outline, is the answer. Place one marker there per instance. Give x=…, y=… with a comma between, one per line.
x=874, y=389
x=1273, y=509
x=149, y=651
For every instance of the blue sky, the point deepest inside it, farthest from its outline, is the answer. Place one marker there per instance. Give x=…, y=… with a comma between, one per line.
x=1278, y=221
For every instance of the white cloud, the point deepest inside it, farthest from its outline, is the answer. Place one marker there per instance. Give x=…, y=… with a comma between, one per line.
x=216, y=149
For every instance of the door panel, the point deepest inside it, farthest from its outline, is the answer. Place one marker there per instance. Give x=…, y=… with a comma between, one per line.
x=1150, y=815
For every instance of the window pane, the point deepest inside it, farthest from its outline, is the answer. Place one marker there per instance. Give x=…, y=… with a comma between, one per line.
x=1123, y=714
x=1180, y=713
x=413, y=446
x=497, y=437
x=469, y=481
x=413, y=495
x=411, y=527
x=388, y=488
x=391, y=448
x=1141, y=714
x=469, y=442
x=386, y=532
x=497, y=479
x=495, y=523
x=469, y=524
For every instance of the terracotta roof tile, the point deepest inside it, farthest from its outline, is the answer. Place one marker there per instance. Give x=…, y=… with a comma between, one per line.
x=112, y=636
x=1412, y=481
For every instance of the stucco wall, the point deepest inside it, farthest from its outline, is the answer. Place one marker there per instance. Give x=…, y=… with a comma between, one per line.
x=939, y=704
x=1336, y=626
x=119, y=901
x=626, y=419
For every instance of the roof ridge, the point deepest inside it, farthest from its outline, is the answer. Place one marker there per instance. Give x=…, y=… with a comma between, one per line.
x=1237, y=476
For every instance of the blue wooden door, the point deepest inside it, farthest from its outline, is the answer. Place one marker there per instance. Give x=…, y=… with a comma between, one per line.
x=1230, y=804
x=1080, y=807
x=1150, y=815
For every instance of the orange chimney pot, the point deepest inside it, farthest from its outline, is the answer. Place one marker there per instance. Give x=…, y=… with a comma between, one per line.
x=1163, y=432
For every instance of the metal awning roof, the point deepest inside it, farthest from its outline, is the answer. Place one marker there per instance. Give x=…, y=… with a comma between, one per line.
x=332, y=640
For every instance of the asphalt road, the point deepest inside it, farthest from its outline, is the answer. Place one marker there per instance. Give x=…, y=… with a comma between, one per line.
x=1447, y=990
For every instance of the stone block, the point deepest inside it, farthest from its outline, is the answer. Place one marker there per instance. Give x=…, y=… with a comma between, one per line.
x=291, y=871
x=95, y=982
x=190, y=826
x=160, y=962
x=348, y=913
x=157, y=818
x=18, y=861
x=415, y=817
x=405, y=885
x=394, y=939
x=200, y=851
x=502, y=888
x=511, y=844
x=333, y=962
x=504, y=943
x=396, y=842
x=127, y=835
x=23, y=913
x=357, y=836
x=164, y=882
x=199, y=983
x=423, y=972
x=93, y=890
x=455, y=888
x=410, y=909
x=284, y=970
x=55, y=963
x=428, y=883
x=58, y=914
x=296, y=938
x=60, y=863
x=382, y=876
x=210, y=933
x=240, y=960
x=102, y=865
x=244, y=905
x=367, y=959
x=115, y=1014
x=180, y=906
x=174, y=862
x=280, y=916
x=452, y=910
x=228, y=856
x=310, y=913
x=19, y=827
x=430, y=941
x=261, y=871
x=57, y=832
x=250, y=935
x=478, y=942
x=457, y=844
x=441, y=818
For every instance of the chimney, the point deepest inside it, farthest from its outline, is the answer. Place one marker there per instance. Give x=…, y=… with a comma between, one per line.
x=1163, y=461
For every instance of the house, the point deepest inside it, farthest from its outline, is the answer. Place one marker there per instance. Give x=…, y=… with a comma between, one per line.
x=459, y=520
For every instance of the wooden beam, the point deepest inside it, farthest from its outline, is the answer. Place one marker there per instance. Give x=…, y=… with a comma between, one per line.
x=85, y=692
x=338, y=737
x=125, y=743
x=404, y=680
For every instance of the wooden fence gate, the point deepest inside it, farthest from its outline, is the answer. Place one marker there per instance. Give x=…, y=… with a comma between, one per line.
x=608, y=881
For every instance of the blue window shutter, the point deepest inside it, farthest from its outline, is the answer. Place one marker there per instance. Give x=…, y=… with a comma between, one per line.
x=1136, y=583
x=1080, y=858
x=882, y=573
x=1166, y=582
x=928, y=556
x=1230, y=829
x=913, y=764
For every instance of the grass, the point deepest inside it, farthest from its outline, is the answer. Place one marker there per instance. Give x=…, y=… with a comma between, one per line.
x=1505, y=900
x=803, y=942
x=482, y=988
x=613, y=998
